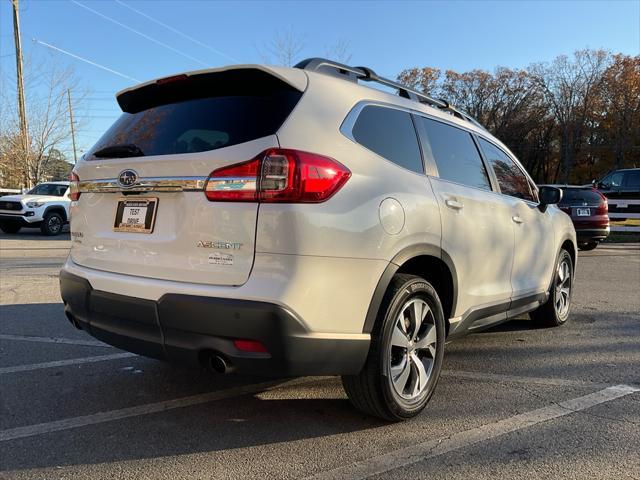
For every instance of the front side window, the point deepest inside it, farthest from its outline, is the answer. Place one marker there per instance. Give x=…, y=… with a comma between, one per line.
x=612, y=180
x=512, y=180
x=456, y=155
x=389, y=133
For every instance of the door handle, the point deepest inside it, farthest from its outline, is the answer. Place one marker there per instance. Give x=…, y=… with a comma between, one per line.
x=456, y=205
x=517, y=219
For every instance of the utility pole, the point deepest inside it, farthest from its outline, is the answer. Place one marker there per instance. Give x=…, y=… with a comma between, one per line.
x=20, y=87
x=73, y=129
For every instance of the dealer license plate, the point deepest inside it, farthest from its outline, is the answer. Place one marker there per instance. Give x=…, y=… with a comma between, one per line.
x=136, y=215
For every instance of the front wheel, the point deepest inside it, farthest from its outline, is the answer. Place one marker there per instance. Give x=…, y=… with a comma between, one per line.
x=405, y=357
x=52, y=224
x=555, y=311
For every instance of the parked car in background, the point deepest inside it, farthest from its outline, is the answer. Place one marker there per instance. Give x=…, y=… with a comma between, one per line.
x=46, y=206
x=588, y=209
x=622, y=189
x=623, y=183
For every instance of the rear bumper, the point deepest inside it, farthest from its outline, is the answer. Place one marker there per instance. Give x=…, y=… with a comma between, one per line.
x=189, y=328
x=592, y=234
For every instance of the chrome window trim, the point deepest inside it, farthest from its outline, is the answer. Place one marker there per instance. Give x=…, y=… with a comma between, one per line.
x=145, y=184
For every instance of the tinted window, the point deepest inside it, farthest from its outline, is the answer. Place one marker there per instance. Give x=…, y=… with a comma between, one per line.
x=511, y=179
x=51, y=189
x=579, y=197
x=389, y=133
x=456, y=155
x=612, y=180
x=201, y=114
x=632, y=179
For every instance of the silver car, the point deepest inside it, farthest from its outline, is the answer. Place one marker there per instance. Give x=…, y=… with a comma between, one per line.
x=297, y=221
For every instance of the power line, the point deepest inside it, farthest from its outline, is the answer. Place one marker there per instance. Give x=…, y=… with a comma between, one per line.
x=175, y=30
x=53, y=47
x=137, y=32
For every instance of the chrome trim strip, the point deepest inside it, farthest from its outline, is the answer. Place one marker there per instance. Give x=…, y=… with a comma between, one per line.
x=148, y=184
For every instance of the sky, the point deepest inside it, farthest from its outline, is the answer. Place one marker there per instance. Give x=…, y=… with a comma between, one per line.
x=147, y=39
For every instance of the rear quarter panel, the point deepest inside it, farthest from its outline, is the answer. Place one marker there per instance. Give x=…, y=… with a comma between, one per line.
x=348, y=224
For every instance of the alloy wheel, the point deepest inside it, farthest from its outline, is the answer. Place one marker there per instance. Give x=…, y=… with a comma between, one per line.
x=563, y=288
x=412, y=349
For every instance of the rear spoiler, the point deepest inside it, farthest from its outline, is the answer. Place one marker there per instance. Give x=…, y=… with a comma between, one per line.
x=234, y=80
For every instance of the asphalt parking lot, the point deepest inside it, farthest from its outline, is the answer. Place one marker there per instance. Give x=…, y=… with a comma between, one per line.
x=513, y=402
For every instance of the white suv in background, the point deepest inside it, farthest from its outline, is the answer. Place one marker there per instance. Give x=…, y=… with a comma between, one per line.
x=293, y=221
x=45, y=206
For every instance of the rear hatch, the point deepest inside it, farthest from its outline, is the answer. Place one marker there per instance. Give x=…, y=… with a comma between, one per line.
x=585, y=206
x=142, y=209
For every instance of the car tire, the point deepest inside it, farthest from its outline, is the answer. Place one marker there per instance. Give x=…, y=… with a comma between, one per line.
x=8, y=227
x=555, y=311
x=52, y=224
x=587, y=246
x=405, y=358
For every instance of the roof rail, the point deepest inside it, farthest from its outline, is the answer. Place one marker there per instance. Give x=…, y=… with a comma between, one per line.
x=366, y=74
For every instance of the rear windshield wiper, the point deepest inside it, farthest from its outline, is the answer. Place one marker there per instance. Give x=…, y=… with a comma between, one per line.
x=119, y=151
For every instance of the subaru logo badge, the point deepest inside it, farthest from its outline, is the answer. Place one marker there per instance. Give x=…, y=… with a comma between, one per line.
x=127, y=178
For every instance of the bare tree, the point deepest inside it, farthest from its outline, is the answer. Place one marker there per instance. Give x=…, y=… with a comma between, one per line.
x=339, y=51
x=284, y=49
x=47, y=109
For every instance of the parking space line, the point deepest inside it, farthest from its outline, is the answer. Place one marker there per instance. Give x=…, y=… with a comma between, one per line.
x=433, y=448
x=108, y=416
x=498, y=377
x=64, y=363
x=66, y=341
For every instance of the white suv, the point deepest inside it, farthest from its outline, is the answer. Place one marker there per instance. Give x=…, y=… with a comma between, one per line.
x=291, y=221
x=46, y=206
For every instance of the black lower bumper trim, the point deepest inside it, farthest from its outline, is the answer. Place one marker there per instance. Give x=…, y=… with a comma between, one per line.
x=595, y=234
x=187, y=329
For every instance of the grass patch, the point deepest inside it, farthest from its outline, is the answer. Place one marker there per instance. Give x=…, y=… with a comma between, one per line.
x=622, y=237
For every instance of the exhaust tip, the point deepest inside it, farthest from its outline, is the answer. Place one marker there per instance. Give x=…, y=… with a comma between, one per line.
x=217, y=364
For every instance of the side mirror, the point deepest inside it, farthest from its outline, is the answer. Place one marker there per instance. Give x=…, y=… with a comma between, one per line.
x=549, y=196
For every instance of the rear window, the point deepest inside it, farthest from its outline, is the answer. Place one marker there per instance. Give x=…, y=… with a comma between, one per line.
x=202, y=113
x=574, y=196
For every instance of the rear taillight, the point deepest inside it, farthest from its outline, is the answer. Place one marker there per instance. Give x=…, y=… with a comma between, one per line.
x=603, y=207
x=74, y=191
x=278, y=175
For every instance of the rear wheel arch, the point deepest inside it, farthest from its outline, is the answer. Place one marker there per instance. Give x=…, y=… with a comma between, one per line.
x=426, y=261
x=569, y=247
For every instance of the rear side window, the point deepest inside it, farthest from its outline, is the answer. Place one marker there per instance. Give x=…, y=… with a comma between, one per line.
x=579, y=197
x=389, y=133
x=511, y=179
x=456, y=155
x=202, y=113
x=632, y=179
